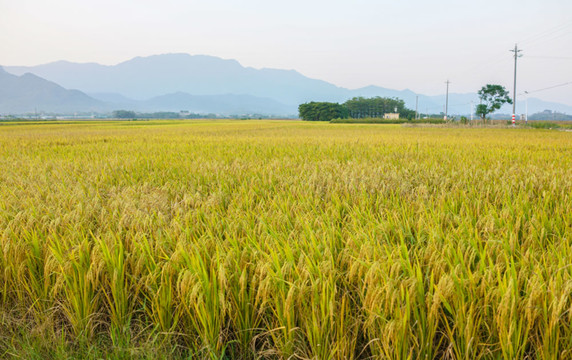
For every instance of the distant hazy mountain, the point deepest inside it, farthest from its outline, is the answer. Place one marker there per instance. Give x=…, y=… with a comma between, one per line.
x=184, y=82
x=145, y=77
x=113, y=98
x=28, y=93
x=227, y=104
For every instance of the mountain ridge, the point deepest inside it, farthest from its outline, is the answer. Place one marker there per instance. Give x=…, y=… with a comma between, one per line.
x=28, y=93
x=147, y=77
x=141, y=78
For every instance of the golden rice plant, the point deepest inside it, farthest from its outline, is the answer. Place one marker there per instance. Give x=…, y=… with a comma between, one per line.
x=284, y=239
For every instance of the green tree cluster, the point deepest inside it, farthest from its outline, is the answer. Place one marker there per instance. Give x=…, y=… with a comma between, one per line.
x=321, y=111
x=356, y=108
x=376, y=107
x=124, y=114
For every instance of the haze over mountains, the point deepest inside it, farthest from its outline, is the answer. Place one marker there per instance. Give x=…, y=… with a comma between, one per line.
x=28, y=93
x=199, y=84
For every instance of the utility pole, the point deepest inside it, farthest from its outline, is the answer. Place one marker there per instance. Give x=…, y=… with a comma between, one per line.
x=526, y=111
x=447, y=100
x=416, y=103
x=516, y=56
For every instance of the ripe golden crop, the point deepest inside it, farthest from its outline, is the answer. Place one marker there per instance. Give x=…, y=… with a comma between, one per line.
x=284, y=239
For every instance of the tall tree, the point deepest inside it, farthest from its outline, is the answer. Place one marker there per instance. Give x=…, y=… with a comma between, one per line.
x=492, y=98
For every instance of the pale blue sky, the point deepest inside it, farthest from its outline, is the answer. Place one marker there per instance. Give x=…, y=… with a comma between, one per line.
x=396, y=44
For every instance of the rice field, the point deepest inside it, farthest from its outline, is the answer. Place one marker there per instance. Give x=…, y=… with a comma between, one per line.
x=284, y=240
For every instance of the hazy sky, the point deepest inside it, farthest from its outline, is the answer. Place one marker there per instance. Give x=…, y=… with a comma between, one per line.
x=396, y=44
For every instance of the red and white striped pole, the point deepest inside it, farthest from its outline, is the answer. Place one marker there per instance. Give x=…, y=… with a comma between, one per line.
x=513, y=122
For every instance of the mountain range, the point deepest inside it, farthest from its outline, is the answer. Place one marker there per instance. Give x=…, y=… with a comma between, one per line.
x=29, y=93
x=199, y=84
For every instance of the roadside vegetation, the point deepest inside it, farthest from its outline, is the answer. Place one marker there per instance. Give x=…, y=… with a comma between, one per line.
x=550, y=124
x=386, y=121
x=270, y=240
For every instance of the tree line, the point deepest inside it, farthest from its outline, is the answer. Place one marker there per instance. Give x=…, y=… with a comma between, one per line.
x=355, y=108
x=129, y=114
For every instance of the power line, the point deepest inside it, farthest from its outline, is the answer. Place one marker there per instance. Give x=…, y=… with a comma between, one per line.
x=499, y=57
x=550, y=87
x=546, y=33
x=566, y=33
x=549, y=57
